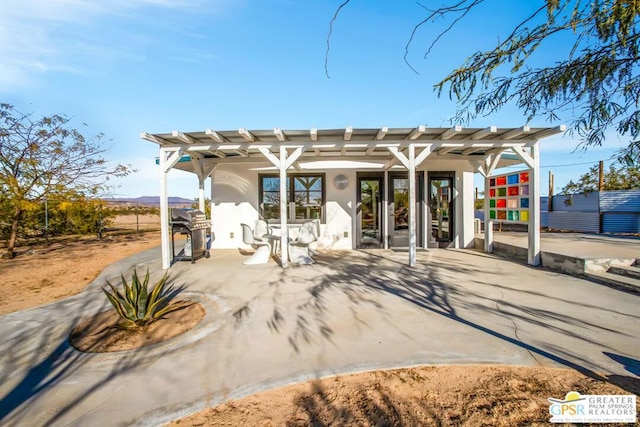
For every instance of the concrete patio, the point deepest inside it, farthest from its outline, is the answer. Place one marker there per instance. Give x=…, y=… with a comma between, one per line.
x=351, y=311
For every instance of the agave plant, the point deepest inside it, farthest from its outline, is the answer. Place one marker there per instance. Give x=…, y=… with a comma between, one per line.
x=135, y=304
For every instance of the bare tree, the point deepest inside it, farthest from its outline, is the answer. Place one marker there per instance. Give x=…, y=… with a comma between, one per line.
x=43, y=157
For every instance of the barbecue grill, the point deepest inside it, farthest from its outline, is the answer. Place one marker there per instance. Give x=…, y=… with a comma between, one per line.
x=195, y=225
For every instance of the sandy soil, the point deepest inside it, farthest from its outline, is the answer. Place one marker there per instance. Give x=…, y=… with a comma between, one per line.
x=104, y=332
x=424, y=396
x=448, y=396
x=46, y=273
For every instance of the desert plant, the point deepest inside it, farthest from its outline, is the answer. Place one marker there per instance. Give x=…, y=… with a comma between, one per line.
x=135, y=305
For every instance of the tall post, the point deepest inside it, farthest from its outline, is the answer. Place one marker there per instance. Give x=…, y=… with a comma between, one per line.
x=385, y=210
x=534, y=210
x=284, y=231
x=550, y=198
x=201, y=193
x=164, y=211
x=169, y=156
x=601, y=175
x=488, y=222
x=412, y=205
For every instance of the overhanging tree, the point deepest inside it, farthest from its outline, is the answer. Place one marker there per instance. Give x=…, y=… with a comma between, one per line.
x=42, y=158
x=594, y=83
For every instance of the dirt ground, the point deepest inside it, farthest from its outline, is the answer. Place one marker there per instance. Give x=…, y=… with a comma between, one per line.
x=45, y=273
x=104, y=332
x=423, y=396
x=445, y=395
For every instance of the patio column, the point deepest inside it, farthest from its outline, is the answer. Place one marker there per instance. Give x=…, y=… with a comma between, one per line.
x=411, y=163
x=283, y=163
x=534, y=197
x=169, y=156
x=532, y=160
x=284, y=230
x=412, y=205
x=203, y=171
x=211, y=194
x=490, y=164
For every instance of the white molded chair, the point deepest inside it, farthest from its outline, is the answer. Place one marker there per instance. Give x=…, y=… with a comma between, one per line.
x=299, y=248
x=262, y=247
x=262, y=231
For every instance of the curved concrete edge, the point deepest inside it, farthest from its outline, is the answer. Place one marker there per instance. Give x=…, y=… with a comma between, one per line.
x=172, y=414
x=215, y=307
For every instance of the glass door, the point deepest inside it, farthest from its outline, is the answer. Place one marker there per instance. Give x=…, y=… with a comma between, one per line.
x=399, y=209
x=370, y=211
x=441, y=209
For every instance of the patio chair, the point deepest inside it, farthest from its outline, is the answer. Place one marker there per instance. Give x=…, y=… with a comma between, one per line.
x=299, y=248
x=262, y=247
x=262, y=231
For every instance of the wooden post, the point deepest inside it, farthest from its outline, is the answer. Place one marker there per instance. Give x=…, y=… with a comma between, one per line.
x=600, y=188
x=550, y=199
x=601, y=175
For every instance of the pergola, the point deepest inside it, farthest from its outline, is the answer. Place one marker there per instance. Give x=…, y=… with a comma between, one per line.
x=484, y=148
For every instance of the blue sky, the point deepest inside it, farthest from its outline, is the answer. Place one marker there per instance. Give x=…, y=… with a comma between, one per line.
x=127, y=66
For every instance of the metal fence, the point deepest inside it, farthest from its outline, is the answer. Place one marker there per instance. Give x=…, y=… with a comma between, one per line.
x=596, y=212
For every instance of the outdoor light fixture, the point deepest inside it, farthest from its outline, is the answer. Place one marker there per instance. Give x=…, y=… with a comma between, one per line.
x=341, y=182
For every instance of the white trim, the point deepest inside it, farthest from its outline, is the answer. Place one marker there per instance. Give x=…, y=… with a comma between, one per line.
x=516, y=132
x=169, y=156
x=534, y=208
x=412, y=205
x=284, y=230
x=270, y=156
x=214, y=135
x=417, y=132
x=293, y=157
x=348, y=131
x=400, y=156
x=524, y=156
x=451, y=132
x=246, y=134
x=279, y=134
x=381, y=133
x=484, y=133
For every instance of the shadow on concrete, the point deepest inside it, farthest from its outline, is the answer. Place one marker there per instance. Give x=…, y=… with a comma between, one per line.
x=425, y=286
x=27, y=347
x=631, y=365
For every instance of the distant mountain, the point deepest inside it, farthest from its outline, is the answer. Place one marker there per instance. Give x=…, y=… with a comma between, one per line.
x=149, y=201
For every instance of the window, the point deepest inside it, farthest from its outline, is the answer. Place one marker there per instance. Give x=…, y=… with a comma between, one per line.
x=305, y=197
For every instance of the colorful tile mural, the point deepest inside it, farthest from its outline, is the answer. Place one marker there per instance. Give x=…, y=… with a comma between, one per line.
x=509, y=197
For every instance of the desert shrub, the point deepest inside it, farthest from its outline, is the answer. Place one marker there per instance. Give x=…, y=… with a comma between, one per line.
x=135, y=305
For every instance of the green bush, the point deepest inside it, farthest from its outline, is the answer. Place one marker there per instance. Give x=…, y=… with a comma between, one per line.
x=135, y=305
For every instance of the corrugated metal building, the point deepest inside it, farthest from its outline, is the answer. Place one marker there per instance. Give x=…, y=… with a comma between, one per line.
x=596, y=212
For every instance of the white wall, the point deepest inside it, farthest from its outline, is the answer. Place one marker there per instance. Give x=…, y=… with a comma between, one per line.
x=341, y=208
x=235, y=201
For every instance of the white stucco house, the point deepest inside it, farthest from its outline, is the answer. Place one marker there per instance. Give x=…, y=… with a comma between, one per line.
x=370, y=188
